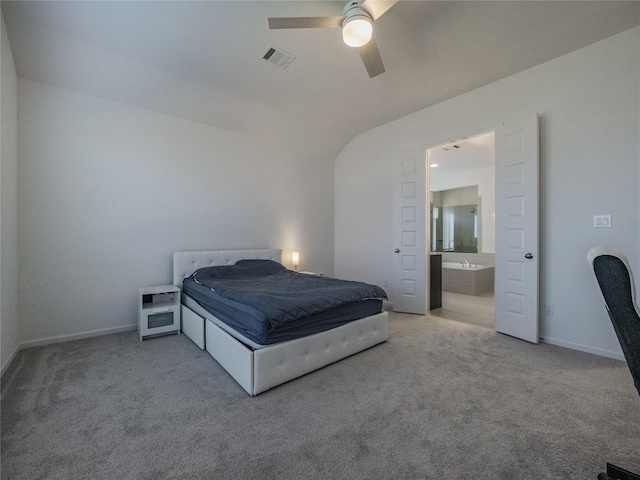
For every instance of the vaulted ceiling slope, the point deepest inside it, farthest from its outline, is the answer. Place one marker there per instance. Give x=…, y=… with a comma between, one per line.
x=203, y=60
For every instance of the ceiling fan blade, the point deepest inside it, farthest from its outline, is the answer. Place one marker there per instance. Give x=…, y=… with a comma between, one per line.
x=376, y=8
x=305, y=22
x=371, y=58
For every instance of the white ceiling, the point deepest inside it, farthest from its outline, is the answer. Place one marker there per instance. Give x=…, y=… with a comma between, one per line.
x=472, y=153
x=171, y=55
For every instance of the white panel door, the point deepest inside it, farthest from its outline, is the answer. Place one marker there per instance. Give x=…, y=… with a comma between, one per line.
x=516, y=269
x=409, y=284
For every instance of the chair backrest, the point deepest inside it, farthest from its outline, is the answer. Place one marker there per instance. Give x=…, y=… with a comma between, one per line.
x=613, y=274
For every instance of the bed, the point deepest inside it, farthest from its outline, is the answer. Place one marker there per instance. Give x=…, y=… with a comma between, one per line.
x=258, y=367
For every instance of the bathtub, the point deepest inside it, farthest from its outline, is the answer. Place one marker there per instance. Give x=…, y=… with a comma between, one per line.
x=471, y=280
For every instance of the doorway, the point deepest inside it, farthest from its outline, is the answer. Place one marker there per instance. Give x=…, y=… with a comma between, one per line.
x=461, y=217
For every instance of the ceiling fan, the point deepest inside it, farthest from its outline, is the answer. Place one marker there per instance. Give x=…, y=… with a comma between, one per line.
x=357, y=28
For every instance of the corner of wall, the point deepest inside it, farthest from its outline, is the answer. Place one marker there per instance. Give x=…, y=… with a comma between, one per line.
x=9, y=334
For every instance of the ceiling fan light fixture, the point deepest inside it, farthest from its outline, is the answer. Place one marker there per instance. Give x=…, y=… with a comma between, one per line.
x=357, y=29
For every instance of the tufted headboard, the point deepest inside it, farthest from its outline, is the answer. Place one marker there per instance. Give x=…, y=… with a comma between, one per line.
x=185, y=263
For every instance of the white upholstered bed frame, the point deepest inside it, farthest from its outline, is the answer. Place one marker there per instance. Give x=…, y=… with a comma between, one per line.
x=257, y=370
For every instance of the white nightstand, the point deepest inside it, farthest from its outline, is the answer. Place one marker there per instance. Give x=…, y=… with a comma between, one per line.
x=158, y=310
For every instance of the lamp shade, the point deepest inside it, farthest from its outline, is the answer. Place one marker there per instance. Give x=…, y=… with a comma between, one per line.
x=357, y=30
x=295, y=258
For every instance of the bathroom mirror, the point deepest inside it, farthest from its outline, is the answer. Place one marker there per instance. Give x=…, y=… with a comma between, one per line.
x=455, y=221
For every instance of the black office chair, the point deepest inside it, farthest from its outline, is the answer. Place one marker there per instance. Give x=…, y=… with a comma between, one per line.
x=614, y=276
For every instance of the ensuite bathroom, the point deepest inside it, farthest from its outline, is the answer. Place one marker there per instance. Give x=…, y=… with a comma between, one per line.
x=462, y=230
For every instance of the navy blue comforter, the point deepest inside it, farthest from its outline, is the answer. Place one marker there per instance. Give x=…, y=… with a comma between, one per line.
x=281, y=294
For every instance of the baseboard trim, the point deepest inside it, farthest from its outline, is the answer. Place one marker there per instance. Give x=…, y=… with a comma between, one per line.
x=9, y=360
x=77, y=336
x=583, y=348
x=388, y=306
x=64, y=338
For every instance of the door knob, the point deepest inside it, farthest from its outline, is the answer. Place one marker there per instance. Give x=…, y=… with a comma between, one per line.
x=528, y=256
x=397, y=250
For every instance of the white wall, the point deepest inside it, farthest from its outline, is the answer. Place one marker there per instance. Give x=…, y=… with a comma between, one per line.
x=588, y=103
x=107, y=192
x=8, y=204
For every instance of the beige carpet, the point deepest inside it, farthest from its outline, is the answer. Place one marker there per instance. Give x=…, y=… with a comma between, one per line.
x=439, y=400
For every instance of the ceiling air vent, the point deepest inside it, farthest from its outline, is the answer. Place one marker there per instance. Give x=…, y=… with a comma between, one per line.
x=277, y=57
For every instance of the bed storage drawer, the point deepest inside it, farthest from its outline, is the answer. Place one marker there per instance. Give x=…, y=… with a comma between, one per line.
x=193, y=326
x=231, y=354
